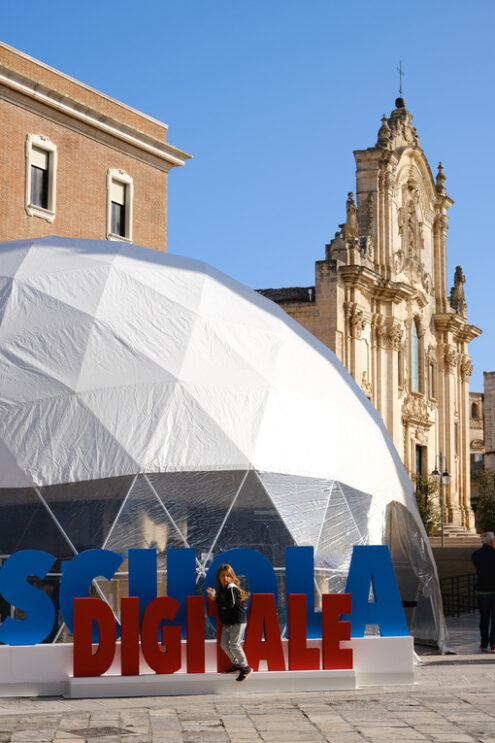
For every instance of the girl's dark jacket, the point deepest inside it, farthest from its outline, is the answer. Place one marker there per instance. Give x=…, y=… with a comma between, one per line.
x=230, y=608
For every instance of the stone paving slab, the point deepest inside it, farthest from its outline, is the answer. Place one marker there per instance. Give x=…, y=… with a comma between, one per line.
x=451, y=701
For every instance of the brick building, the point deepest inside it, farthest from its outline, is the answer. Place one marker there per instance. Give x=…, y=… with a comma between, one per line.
x=77, y=163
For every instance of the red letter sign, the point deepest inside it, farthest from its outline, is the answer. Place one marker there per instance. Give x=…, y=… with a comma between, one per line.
x=263, y=620
x=301, y=658
x=195, y=634
x=333, y=631
x=168, y=660
x=129, y=649
x=87, y=611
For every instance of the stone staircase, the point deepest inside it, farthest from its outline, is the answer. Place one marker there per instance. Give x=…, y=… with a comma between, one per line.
x=457, y=539
x=455, y=536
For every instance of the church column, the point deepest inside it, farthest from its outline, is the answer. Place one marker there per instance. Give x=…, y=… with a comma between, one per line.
x=440, y=228
x=393, y=344
x=465, y=371
x=450, y=360
x=374, y=354
x=381, y=363
x=388, y=226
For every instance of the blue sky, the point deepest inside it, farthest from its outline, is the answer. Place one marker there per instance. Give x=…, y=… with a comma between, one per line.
x=272, y=97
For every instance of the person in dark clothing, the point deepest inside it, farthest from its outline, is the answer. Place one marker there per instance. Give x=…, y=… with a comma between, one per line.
x=229, y=598
x=484, y=562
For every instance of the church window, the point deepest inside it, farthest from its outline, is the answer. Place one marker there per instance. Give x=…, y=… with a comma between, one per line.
x=474, y=410
x=420, y=462
x=41, y=173
x=415, y=358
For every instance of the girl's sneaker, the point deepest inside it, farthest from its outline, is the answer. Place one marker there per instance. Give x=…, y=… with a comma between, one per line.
x=232, y=669
x=245, y=672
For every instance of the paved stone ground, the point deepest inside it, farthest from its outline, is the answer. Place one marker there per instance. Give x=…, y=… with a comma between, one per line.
x=452, y=701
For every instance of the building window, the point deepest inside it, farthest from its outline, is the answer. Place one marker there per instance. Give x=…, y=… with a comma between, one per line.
x=474, y=410
x=420, y=463
x=41, y=176
x=119, y=208
x=415, y=365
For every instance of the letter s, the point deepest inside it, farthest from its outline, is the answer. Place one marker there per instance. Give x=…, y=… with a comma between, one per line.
x=35, y=603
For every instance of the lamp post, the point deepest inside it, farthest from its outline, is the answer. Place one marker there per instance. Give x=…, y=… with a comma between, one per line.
x=443, y=479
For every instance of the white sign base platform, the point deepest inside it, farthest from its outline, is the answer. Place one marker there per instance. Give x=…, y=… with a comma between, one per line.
x=149, y=685
x=46, y=670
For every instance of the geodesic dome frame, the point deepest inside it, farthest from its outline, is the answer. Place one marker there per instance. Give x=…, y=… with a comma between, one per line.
x=149, y=399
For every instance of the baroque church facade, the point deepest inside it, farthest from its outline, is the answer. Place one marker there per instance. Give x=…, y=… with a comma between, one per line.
x=381, y=303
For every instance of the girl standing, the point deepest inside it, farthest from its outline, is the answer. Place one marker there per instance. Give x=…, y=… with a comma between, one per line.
x=229, y=598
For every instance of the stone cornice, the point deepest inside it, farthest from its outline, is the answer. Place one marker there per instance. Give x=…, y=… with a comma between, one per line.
x=374, y=285
x=454, y=323
x=31, y=89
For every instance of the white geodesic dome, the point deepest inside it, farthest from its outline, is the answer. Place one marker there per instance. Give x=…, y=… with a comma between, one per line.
x=148, y=399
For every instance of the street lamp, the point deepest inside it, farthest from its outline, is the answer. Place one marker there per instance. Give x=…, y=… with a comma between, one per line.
x=443, y=479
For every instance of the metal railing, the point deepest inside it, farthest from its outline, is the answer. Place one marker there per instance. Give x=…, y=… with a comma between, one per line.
x=458, y=594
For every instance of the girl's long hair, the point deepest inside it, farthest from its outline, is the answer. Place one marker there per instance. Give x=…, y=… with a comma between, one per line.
x=225, y=568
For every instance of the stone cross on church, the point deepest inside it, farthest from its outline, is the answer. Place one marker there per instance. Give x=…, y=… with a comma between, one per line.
x=401, y=75
x=380, y=302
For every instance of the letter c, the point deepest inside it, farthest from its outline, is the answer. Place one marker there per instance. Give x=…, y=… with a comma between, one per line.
x=77, y=576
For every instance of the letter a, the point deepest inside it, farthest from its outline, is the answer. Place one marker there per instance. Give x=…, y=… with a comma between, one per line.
x=372, y=566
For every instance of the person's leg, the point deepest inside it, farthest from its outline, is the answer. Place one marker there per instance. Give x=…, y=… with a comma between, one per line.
x=236, y=653
x=492, y=621
x=484, y=603
x=225, y=643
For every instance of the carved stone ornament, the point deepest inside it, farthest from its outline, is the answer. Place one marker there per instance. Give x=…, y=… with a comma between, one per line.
x=420, y=326
x=397, y=130
x=441, y=178
x=381, y=332
x=357, y=321
x=395, y=334
x=417, y=408
x=399, y=261
x=421, y=435
x=351, y=225
x=389, y=335
x=431, y=354
x=366, y=248
x=477, y=445
x=400, y=220
x=408, y=258
x=370, y=212
x=366, y=386
x=466, y=367
x=441, y=224
x=384, y=134
x=427, y=283
x=451, y=358
x=457, y=299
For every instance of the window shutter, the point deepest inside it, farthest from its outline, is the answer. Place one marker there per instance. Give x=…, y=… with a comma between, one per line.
x=39, y=158
x=117, y=193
